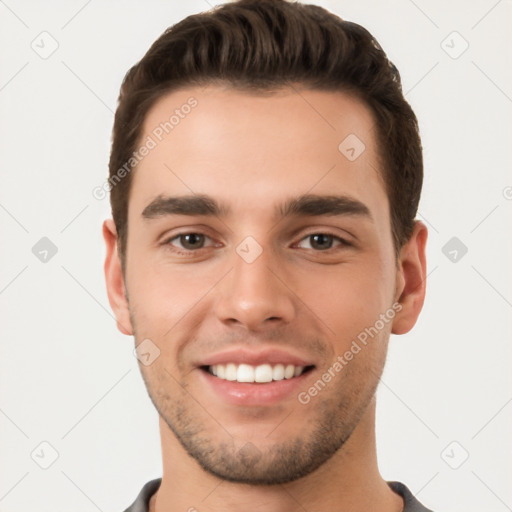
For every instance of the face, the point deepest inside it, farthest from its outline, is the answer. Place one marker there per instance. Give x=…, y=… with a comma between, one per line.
x=259, y=260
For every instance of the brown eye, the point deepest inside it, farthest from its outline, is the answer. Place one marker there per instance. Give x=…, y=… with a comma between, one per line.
x=187, y=243
x=191, y=241
x=322, y=241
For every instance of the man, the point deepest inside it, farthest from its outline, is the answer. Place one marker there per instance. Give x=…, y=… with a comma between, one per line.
x=265, y=176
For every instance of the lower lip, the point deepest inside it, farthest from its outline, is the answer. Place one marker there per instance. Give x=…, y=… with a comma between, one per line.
x=248, y=393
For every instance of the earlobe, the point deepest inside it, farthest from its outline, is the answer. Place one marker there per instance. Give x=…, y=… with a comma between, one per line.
x=114, y=279
x=411, y=280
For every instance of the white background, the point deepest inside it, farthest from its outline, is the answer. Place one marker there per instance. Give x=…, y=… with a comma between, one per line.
x=68, y=377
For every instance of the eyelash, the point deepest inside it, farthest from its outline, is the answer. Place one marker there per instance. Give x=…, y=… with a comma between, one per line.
x=189, y=252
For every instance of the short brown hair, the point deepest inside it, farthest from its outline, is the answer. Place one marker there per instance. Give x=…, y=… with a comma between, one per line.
x=258, y=45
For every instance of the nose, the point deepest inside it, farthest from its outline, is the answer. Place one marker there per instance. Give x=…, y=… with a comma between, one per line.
x=255, y=294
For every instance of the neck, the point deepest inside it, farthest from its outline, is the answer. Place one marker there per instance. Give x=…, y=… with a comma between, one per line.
x=350, y=480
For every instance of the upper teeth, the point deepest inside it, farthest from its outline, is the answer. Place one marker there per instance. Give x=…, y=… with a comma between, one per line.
x=261, y=373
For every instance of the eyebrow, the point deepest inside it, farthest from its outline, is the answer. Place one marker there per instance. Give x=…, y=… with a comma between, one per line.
x=307, y=205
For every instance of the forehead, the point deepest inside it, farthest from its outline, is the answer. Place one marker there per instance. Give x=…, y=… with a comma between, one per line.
x=248, y=150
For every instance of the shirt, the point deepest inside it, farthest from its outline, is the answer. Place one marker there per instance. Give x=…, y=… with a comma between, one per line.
x=141, y=504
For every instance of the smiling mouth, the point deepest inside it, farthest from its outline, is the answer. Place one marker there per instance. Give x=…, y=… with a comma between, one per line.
x=260, y=374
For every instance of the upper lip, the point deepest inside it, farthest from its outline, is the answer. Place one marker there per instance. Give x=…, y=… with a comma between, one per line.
x=254, y=358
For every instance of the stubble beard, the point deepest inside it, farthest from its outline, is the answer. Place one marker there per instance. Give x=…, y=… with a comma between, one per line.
x=331, y=423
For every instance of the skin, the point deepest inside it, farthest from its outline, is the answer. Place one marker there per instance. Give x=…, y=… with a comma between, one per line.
x=251, y=152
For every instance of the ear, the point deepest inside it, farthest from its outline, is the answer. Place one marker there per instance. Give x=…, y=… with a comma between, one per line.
x=114, y=278
x=411, y=280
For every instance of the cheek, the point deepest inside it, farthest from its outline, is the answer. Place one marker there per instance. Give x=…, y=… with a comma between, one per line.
x=167, y=303
x=350, y=300
x=161, y=293
x=346, y=294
